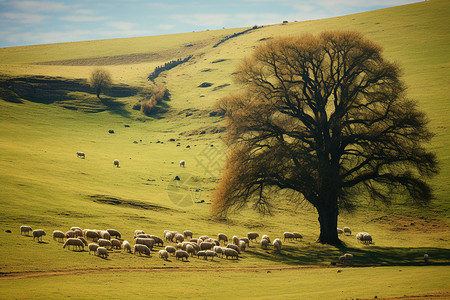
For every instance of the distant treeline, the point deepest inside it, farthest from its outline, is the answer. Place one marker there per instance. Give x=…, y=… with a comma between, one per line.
x=234, y=35
x=167, y=66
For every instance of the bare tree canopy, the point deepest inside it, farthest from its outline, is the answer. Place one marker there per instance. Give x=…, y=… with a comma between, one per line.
x=327, y=117
x=100, y=80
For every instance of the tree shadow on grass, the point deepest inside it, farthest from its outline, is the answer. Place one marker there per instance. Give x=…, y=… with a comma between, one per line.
x=367, y=256
x=115, y=106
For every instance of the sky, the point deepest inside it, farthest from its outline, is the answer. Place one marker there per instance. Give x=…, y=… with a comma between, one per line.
x=43, y=22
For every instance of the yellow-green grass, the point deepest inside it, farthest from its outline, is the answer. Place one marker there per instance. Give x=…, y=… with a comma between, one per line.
x=44, y=184
x=331, y=283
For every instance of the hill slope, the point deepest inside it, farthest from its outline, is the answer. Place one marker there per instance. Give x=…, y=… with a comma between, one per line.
x=45, y=185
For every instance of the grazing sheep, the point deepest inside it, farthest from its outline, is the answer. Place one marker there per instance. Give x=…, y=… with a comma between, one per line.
x=116, y=163
x=105, y=235
x=364, y=237
x=277, y=244
x=235, y=240
x=188, y=233
x=204, y=237
x=71, y=234
x=182, y=163
x=102, y=252
x=169, y=236
x=346, y=259
x=222, y=237
x=264, y=243
x=24, y=229
x=76, y=243
x=140, y=248
x=76, y=229
x=116, y=244
x=83, y=240
x=347, y=230
x=193, y=240
x=246, y=240
x=190, y=249
x=93, y=247
x=230, y=252
x=233, y=246
x=58, y=235
x=38, y=233
x=210, y=253
x=179, y=238
x=157, y=239
x=218, y=250
x=144, y=241
x=163, y=254
x=297, y=236
x=214, y=241
x=242, y=245
x=252, y=236
x=202, y=254
x=138, y=232
x=104, y=243
x=266, y=237
x=91, y=235
x=171, y=249
x=288, y=235
x=114, y=233
x=339, y=231
x=181, y=254
x=206, y=246
x=81, y=155
x=426, y=258
x=126, y=246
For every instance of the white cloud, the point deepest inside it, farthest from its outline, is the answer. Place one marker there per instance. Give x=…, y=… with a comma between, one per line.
x=23, y=18
x=77, y=18
x=39, y=6
x=121, y=25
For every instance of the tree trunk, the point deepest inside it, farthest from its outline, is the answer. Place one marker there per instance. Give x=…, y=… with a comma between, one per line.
x=328, y=217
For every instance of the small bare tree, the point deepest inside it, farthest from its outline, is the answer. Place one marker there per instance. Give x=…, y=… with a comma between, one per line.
x=100, y=80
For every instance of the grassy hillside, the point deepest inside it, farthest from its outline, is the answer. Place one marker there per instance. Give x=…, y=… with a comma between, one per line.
x=46, y=186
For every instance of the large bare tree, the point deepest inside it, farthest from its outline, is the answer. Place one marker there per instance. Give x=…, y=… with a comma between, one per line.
x=327, y=117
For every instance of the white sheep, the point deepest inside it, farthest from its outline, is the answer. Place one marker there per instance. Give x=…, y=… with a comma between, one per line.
x=346, y=259
x=81, y=155
x=210, y=253
x=246, y=240
x=190, y=249
x=364, y=237
x=171, y=249
x=188, y=233
x=242, y=245
x=426, y=258
x=347, y=230
x=169, y=236
x=76, y=228
x=157, y=239
x=252, y=236
x=230, y=252
x=126, y=246
x=104, y=243
x=222, y=237
x=233, y=246
x=138, y=232
x=204, y=237
x=93, y=247
x=105, y=235
x=206, y=245
x=145, y=241
x=235, y=240
x=58, y=235
x=264, y=243
x=218, y=250
x=102, y=252
x=288, y=235
x=116, y=163
x=140, y=248
x=182, y=163
x=24, y=229
x=38, y=233
x=277, y=244
x=297, y=236
x=266, y=237
x=83, y=240
x=181, y=254
x=91, y=235
x=114, y=233
x=179, y=238
x=76, y=243
x=163, y=254
x=116, y=244
x=339, y=231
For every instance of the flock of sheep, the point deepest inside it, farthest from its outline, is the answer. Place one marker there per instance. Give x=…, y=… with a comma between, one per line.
x=180, y=245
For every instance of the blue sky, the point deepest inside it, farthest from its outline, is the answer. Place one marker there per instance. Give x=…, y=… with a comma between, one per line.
x=42, y=22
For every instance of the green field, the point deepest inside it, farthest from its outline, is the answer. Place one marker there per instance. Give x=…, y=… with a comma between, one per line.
x=44, y=184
